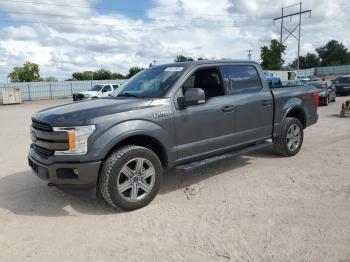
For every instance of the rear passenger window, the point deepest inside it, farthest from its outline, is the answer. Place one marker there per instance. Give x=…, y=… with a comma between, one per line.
x=241, y=78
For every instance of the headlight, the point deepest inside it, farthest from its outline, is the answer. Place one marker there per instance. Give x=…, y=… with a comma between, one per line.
x=77, y=137
x=322, y=93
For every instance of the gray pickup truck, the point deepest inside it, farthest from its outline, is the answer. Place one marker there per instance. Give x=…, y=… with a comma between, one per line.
x=181, y=115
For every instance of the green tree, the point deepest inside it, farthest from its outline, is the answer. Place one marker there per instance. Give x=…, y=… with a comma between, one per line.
x=86, y=75
x=29, y=72
x=182, y=58
x=333, y=53
x=271, y=57
x=102, y=74
x=133, y=71
x=309, y=61
x=118, y=76
x=50, y=79
x=77, y=76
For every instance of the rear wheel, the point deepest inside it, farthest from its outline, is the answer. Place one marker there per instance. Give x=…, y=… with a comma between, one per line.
x=291, y=137
x=130, y=177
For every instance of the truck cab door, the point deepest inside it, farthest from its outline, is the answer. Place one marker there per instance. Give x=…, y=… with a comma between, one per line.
x=106, y=90
x=253, y=103
x=204, y=129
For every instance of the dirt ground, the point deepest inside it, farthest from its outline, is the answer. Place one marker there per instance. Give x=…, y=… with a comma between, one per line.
x=260, y=207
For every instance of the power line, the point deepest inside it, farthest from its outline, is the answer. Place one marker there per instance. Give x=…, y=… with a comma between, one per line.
x=80, y=17
x=119, y=9
x=291, y=32
x=105, y=24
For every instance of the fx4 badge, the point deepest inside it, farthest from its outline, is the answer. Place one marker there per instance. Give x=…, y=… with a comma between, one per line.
x=162, y=113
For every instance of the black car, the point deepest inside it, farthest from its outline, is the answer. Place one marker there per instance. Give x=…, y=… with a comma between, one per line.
x=325, y=90
x=342, y=85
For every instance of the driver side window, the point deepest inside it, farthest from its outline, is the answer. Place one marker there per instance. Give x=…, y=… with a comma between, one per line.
x=207, y=79
x=106, y=89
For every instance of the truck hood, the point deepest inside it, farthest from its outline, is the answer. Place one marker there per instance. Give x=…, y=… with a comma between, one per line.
x=80, y=113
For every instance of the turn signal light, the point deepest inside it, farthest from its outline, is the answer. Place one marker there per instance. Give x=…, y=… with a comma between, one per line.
x=71, y=139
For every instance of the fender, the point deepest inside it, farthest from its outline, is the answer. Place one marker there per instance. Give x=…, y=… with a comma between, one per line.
x=296, y=107
x=110, y=138
x=290, y=105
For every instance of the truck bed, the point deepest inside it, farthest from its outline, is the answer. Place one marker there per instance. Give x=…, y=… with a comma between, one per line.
x=300, y=96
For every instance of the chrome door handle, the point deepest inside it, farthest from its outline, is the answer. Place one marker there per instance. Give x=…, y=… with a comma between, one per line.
x=266, y=103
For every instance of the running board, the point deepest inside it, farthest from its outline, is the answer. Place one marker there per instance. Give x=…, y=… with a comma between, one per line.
x=244, y=151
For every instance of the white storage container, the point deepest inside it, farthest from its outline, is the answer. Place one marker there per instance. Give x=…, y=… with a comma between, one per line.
x=11, y=96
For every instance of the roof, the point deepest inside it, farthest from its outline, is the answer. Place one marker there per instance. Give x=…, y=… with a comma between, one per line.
x=203, y=62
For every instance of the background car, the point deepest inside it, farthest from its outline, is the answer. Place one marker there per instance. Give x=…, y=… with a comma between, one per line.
x=96, y=91
x=342, y=85
x=325, y=90
x=274, y=81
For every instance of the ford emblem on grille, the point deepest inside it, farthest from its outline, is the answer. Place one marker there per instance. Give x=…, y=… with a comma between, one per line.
x=33, y=135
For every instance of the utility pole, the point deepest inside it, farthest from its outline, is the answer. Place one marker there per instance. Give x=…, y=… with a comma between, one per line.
x=250, y=54
x=291, y=32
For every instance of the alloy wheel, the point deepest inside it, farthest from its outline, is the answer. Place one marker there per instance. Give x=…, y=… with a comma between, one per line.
x=293, y=137
x=136, y=179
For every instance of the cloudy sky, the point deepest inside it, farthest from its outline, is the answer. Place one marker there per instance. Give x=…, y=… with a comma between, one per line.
x=65, y=36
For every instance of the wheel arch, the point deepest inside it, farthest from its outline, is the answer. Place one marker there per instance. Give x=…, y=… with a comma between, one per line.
x=298, y=113
x=144, y=140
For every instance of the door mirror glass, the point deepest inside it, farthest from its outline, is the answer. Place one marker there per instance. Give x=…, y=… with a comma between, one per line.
x=193, y=96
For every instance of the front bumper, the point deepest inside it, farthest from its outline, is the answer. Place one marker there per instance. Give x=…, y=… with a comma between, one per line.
x=82, y=174
x=342, y=89
x=80, y=97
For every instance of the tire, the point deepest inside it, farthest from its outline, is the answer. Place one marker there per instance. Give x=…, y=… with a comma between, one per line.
x=326, y=101
x=282, y=144
x=130, y=177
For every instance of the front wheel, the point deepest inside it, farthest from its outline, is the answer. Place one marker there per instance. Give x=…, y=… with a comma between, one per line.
x=290, y=139
x=130, y=177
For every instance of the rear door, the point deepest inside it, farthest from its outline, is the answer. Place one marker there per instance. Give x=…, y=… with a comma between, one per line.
x=253, y=103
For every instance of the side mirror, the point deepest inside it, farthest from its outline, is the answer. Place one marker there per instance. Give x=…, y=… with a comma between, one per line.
x=193, y=96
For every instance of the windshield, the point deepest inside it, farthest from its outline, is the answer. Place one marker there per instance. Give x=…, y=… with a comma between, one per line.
x=344, y=80
x=151, y=83
x=96, y=88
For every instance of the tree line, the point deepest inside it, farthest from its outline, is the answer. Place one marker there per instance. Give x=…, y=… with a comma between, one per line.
x=30, y=72
x=333, y=53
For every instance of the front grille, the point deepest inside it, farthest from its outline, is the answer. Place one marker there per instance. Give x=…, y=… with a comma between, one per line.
x=46, y=141
x=41, y=125
x=43, y=151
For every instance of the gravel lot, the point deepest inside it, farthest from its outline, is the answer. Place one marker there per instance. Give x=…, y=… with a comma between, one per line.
x=260, y=207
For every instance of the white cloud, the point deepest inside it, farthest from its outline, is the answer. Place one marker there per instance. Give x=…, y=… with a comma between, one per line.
x=88, y=40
